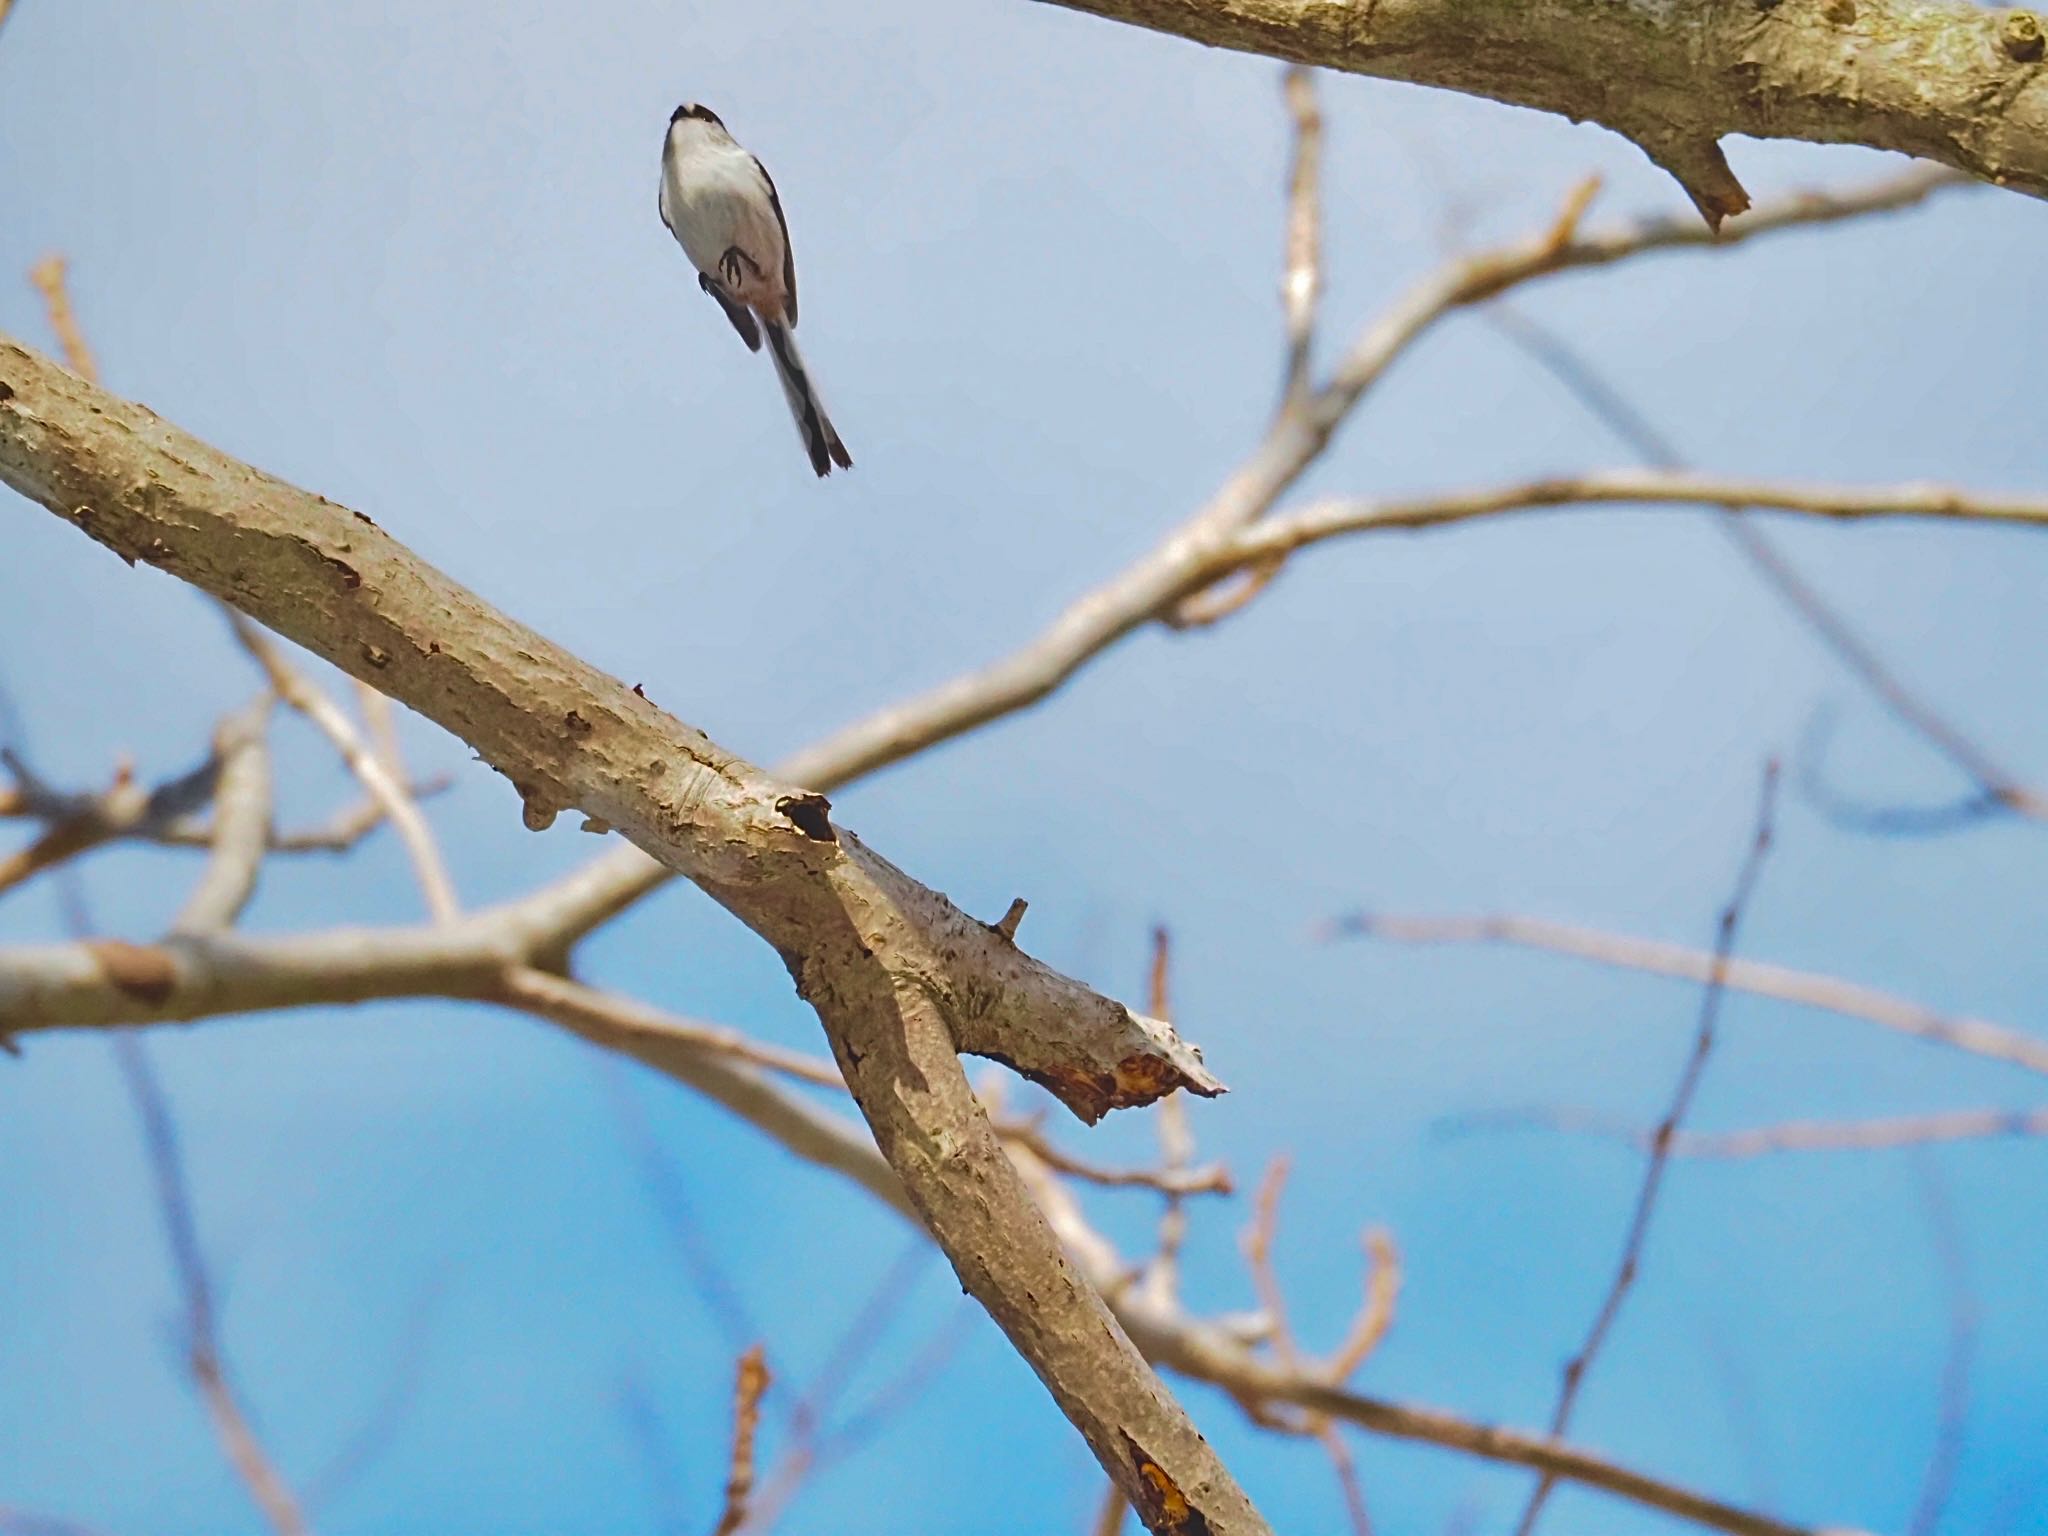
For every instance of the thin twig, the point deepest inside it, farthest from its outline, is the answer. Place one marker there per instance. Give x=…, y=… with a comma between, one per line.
x=1888, y=818
x=241, y=824
x=1176, y=1139
x=76, y=824
x=1302, y=281
x=1110, y=1513
x=379, y=1427
x=1810, y=989
x=1937, y=1484
x=1628, y=487
x=652, y=1439
x=746, y=1420
x=1376, y=1315
x=1257, y=1243
x=50, y=278
x=611, y=1018
x=1206, y=545
x=901, y=1390
x=1210, y=1179
x=1571, y=368
x=341, y=833
x=381, y=784
x=202, y=1337
x=23, y=1522
x=1660, y=1153
x=1790, y=1136
x=662, y=1179
x=1346, y=1470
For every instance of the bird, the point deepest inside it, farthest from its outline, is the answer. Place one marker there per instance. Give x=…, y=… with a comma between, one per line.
x=718, y=201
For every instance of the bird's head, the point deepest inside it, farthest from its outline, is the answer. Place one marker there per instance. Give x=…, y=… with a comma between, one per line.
x=702, y=114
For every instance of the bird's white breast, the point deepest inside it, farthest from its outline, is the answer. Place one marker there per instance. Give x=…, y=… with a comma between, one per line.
x=714, y=197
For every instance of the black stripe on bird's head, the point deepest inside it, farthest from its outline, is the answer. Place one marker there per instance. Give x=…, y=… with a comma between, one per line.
x=696, y=110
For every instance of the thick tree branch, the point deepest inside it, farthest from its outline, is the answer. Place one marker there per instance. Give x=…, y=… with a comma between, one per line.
x=900, y=978
x=1942, y=79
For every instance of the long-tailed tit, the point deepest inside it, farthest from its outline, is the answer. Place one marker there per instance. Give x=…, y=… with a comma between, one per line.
x=718, y=202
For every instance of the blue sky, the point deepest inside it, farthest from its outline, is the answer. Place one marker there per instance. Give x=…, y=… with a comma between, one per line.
x=408, y=256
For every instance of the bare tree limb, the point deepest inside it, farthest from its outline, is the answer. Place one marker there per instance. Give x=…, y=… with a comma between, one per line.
x=76, y=824
x=1790, y=1136
x=746, y=1420
x=1220, y=537
x=1937, y=78
x=1334, y=519
x=22, y=1522
x=1997, y=789
x=339, y=834
x=241, y=825
x=1213, y=1352
x=1209, y=1179
x=902, y=980
x=609, y=1018
x=1110, y=1513
x=1810, y=989
x=385, y=785
x=1193, y=555
x=1953, y=1419
x=1660, y=1141
x=1301, y=283
x=468, y=959
x=50, y=277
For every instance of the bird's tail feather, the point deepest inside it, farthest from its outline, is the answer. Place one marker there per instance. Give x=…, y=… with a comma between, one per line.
x=820, y=440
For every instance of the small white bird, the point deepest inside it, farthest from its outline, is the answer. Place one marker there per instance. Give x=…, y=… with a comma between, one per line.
x=718, y=202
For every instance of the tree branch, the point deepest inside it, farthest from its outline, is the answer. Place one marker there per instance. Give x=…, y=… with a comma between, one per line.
x=1788, y=1136
x=1997, y=789
x=1156, y=585
x=1942, y=79
x=1807, y=988
x=1641, y=487
x=900, y=978
x=1659, y=1160
x=470, y=958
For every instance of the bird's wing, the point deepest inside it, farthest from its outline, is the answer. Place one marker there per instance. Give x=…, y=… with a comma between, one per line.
x=788, y=250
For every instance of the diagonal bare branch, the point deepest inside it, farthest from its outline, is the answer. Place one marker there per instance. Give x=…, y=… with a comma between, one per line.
x=385, y=785
x=1152, y=587
x=901, y=979
x=252, y=1463
x=1998, y=789
x=1213, y=541
x=1660, y=1142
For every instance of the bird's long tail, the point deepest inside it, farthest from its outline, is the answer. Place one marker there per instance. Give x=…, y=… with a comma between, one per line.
x=821, y=442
